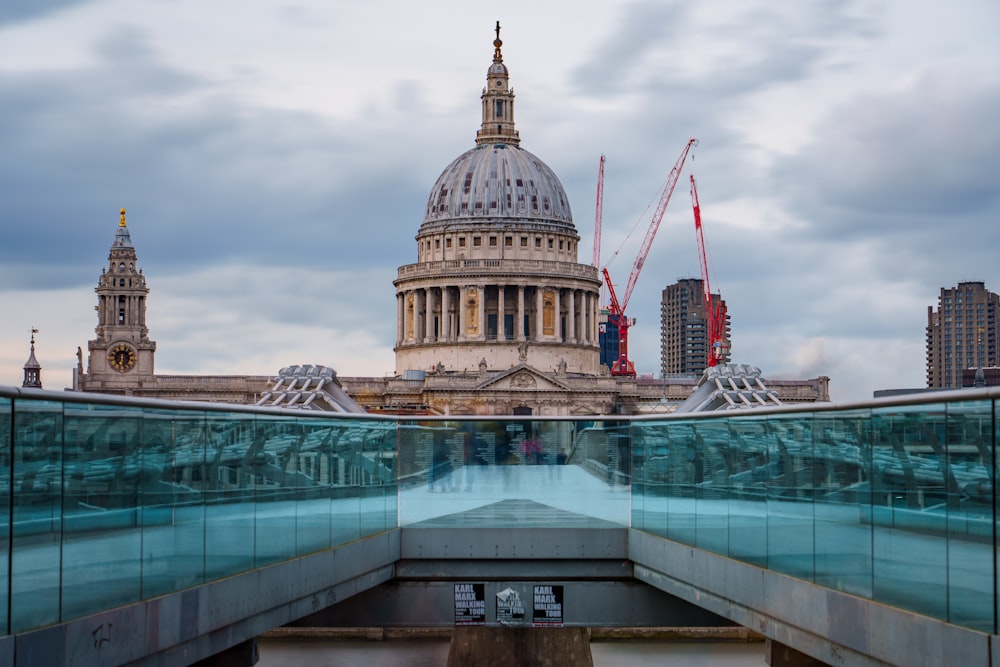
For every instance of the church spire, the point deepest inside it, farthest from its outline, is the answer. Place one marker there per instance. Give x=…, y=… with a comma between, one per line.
x=122, y=238
x=32, y=369
x=498, y=102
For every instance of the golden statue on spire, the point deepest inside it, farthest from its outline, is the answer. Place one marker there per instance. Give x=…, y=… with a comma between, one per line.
x=497, y=56
x=121, y=223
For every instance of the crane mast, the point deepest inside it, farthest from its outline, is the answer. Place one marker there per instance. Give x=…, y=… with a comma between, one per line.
x=715, y=311
x=623, y=366
x=598, y=214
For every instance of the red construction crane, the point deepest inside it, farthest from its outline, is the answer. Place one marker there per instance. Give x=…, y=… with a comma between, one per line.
x=616, y=311
x=598, y=214
x=715, y=310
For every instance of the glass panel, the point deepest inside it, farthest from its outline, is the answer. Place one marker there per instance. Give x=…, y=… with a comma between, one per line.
x=229, y=505
x=37, y=514
x=275, y=519
x=173, y=510
x=752, y=464
x=968, y=481
x=311, y=465
x=712, y=475
x=646, y=439
x=102, y=537
x=668, y=479
x=372, y=470
x=842, y=445
x=995, y=467
x=346, y=501
x=6, y=489
x=790, y=540
x=909, y=508
x=514, y=472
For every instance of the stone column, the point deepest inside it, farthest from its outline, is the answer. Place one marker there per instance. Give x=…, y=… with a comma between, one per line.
x=539, y=310
x=558, y=309
x=446, y=331
x=429, y=317
x=501, y=311
x=462, y=324
x=400, y=315
x=571, y=317
x=519, y=317
x=516, y=647
x=482, y=312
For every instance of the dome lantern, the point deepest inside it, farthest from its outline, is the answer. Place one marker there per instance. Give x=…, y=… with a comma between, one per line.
x=498, y=103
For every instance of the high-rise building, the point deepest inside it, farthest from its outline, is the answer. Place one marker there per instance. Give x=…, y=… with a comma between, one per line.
x=684, y=329
x=961, y=334
x=609, y=338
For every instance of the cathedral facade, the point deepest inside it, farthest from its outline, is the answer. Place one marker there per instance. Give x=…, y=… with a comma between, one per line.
x=496, y=317
x=497, y=281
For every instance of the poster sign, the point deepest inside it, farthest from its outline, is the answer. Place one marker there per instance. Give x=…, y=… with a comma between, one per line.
x=470, y=604
x=510, y=609
x=548, y=605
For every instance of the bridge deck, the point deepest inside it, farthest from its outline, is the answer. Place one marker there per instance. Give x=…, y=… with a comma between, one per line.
x=113, y=504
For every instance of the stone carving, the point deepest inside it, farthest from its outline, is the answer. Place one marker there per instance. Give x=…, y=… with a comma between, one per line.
x=523, y=380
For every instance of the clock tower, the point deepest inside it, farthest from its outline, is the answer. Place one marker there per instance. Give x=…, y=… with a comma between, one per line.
x=121, y=356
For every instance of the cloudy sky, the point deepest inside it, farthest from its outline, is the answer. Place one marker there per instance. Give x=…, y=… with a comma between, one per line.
x=275, y=159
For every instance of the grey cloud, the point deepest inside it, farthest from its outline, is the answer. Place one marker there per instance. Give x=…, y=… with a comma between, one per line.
x=643, y=25
x=205, y=181
x=15, y=11
x=911, y=172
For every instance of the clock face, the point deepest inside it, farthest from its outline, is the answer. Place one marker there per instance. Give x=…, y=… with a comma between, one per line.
x=121, y=357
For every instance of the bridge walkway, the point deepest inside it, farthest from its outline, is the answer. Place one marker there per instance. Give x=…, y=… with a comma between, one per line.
x=145, y=532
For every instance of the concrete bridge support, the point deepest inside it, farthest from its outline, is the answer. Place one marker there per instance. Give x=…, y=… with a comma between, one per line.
x=779, y=655
x=244, y=654
x=520, y=647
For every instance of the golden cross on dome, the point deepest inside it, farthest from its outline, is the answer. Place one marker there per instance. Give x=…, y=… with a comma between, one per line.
x=497, y=56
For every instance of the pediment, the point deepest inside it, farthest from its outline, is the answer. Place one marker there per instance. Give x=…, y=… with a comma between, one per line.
x=462, y=409
x=523, y=378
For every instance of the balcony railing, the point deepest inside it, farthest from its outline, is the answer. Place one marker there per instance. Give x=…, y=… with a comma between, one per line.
x=106, y=501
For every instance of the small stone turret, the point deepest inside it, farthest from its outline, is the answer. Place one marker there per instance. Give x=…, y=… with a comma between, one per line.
x=32, y=369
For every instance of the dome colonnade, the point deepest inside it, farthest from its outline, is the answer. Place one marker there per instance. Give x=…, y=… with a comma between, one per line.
x=497, y=278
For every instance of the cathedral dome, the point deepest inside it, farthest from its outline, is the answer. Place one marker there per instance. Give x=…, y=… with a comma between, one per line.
x=499, y=182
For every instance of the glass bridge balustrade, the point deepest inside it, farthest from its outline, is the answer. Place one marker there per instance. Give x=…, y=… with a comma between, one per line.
x=107, y=502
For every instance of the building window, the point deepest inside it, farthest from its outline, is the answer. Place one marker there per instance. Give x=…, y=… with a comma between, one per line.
x=550, y=244
x=524, y=241
x=461, y=241
x=477, y=241
x=447, y=242
x=493, y=241
x=538, y=242
x=508, y=241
